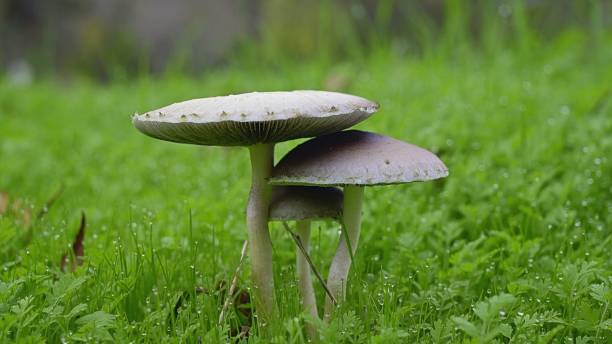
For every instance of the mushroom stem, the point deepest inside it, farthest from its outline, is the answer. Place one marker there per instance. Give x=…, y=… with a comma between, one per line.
x=340, y=266
x=309, y=301
x=262, y=161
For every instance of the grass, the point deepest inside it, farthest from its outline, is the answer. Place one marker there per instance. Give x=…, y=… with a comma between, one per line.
x=514, y=246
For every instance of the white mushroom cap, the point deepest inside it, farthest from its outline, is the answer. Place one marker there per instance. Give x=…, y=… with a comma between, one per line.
x=295, y=203
x=356, y=158
x=258, y=117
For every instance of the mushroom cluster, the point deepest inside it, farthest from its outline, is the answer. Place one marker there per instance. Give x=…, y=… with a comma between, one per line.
x=304, y=184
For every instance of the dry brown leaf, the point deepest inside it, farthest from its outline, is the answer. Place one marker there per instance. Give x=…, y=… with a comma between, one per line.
x=78, y=251
x=23, y=212
x=4, y=199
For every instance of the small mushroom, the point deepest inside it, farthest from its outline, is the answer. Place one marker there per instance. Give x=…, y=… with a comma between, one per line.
x=304, y=204
x=244, y=121
x=354, y=159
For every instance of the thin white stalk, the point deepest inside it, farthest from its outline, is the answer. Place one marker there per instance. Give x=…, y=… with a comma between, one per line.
x=262, y=160
x=309, y=301
x=340, y=266
x=232, y=289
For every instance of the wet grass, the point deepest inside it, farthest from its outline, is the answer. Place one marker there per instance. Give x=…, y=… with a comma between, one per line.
x=514, y=246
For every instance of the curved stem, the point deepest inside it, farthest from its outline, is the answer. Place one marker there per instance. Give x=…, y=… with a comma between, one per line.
x=262, y=160
x=340, y=266
x=309, y=301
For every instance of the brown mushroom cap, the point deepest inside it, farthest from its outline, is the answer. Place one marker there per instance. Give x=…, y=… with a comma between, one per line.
x=356, y=158
x=295, y=203
x=258, y=117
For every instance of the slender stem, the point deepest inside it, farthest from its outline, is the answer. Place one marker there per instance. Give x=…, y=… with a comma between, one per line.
x=298, y=243
x=340, y=266
x=262, y=160
x=309, y=301
x=232, y=289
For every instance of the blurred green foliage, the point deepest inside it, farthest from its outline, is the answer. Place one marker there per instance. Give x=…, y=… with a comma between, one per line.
x=512, y=247
x=288, y=30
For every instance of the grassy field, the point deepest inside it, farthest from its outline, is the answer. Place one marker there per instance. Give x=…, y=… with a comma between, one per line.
x=514, y=246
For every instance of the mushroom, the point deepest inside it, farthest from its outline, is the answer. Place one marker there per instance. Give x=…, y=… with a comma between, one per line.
x=354, y=159
x=256, y=120
x=304, y=204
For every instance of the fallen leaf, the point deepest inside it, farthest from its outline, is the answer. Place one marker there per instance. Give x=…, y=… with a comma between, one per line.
x=22, y=211
x=76, y=259
x=18, y=208
x=4, y=198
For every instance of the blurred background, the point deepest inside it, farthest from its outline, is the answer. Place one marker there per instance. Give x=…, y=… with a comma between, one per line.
x=515, y=96
x=109, y=39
